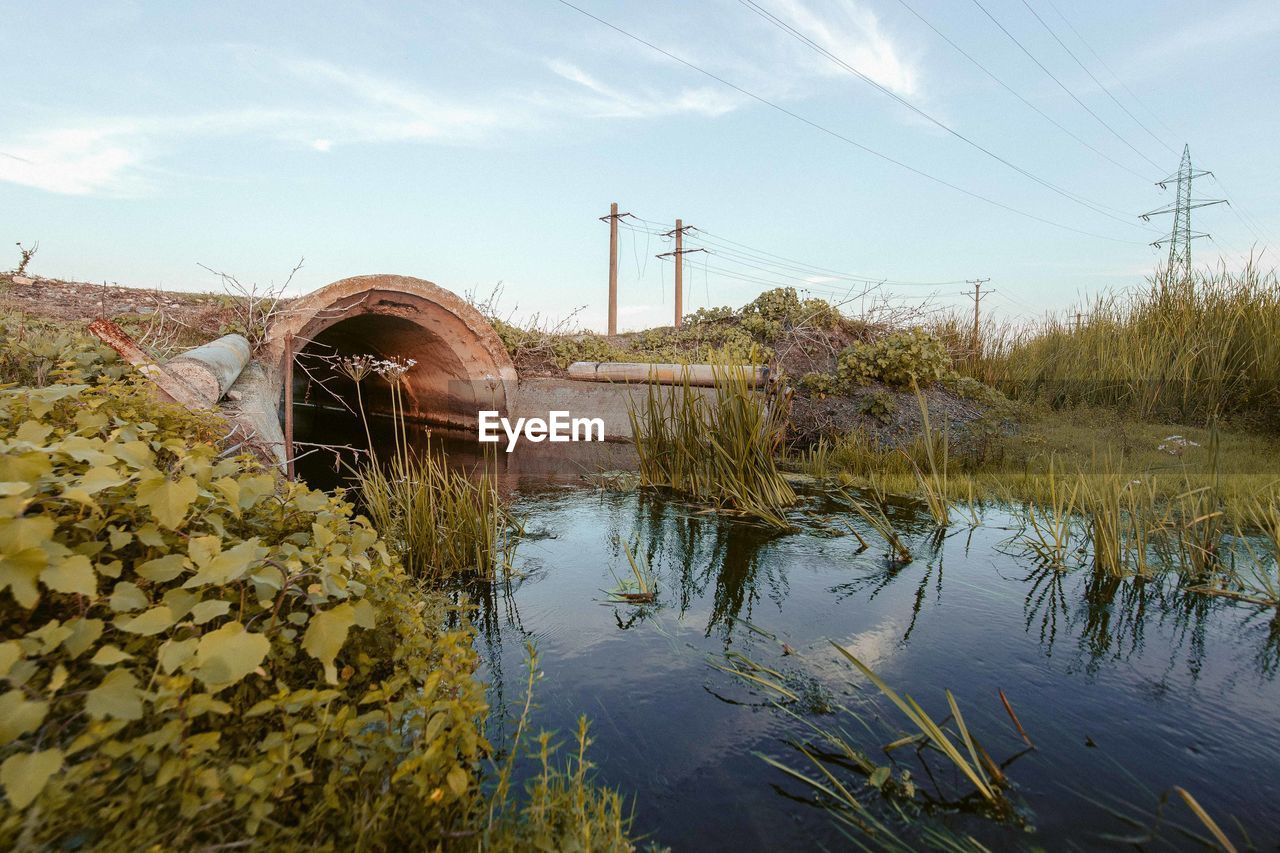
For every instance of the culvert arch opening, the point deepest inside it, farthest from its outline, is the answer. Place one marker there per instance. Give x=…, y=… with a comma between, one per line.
x=460, y=366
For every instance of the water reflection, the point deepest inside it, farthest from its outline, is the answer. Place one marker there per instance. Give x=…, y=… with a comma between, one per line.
x=1083, y=654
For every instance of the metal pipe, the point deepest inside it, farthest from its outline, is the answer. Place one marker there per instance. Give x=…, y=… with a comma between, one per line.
x=701, y=375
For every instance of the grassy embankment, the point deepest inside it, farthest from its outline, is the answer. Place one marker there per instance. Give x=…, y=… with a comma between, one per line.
x=1146, y=428
x=195, y=653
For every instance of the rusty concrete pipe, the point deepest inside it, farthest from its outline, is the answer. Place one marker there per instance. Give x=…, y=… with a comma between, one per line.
x=211, y=369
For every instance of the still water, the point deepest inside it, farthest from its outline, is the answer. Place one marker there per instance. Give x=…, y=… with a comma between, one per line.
x=1126, y=688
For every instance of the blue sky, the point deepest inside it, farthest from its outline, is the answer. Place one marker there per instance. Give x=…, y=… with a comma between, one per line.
x=472, y=143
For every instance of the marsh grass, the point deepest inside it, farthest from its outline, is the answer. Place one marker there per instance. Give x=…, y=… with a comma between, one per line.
x=1052, y=524
x=562, y=807
x=441, y=523
x=642, y=585
x=872, y=511
x=717, y=447
x=1190, y=350
x=832, y=755
x=932, y=479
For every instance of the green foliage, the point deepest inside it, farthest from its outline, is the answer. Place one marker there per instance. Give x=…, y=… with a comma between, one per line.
x=895, y=359
x=879, y=406
x=968, y=388
x=34, y=353
x=775, y=312
x=821, y=384
x=194, y=653
x=535, y=347
x=716, y=445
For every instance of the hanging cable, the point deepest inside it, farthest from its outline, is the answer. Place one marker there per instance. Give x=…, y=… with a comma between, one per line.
x=1061, y=85
x=1093, y=205
x=841, y=137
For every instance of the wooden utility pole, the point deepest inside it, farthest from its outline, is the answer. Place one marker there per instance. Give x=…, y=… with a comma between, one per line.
x=679, y=272
x=288, y=406
x=976, y=296
x=679, y=254
x=613, y=218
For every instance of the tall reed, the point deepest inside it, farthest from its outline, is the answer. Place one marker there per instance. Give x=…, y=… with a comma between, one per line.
x=716, y=447
x=1183, y=349
x=441, y=523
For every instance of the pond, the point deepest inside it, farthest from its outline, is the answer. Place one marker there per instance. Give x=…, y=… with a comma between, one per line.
x=1126, y=688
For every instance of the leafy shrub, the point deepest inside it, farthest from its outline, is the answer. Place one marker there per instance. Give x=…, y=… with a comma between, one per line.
x=34, y=353
x=879, y=406
x=194, y=653
x=777, y=311
x=895, y=359
x=968, y=388
x=535, y=347
x=816, y=382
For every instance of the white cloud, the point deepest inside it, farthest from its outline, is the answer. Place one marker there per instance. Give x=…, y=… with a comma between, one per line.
x=328, y=105
x=852, y=33
x=609, y=102
x=1232, y=28
x=74, y=161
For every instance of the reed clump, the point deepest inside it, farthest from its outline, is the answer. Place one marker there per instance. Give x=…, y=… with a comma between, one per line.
x=1186, y=349
x=717, y=447
x=441, y=523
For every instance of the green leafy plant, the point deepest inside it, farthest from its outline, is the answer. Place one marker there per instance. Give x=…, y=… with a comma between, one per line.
x=880, y=406
x=895, y=359
x=195, y=653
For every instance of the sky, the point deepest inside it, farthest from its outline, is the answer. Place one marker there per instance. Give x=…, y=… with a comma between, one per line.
x=819, y=144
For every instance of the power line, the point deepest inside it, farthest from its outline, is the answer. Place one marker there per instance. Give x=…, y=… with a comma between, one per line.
x=1240, y=213
x=1095, y=206
x=1245, y=218
x=1061, y=85
x=1020, y=97
x=794, y=266
x=1086, y=70
x=1113, y=74
x=836, y=135
x=771, y=262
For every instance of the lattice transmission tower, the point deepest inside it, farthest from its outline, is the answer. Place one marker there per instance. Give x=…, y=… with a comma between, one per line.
x=1180, y=237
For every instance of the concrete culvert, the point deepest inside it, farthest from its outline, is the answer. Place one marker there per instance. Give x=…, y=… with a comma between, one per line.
x=461, y=366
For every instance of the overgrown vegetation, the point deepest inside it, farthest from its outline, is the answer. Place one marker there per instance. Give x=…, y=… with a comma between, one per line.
x=1186, y=350
x=441, y=522
x=775, y=325
x=194, y=653
x=716, y=447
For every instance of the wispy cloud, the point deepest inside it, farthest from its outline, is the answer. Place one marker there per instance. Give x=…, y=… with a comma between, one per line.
x=852, y=32
x=606, y=101
x=321, y=106
x=75, y=161
x=1229, y=29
